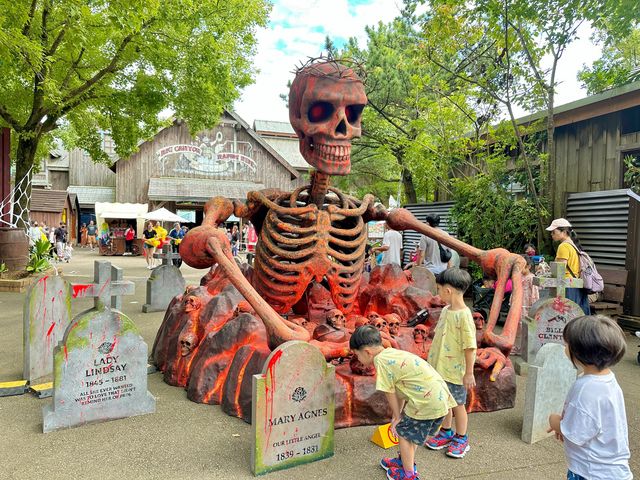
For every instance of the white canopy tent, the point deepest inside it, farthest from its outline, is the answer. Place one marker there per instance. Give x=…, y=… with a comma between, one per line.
x=163, y=215
x=125, y=211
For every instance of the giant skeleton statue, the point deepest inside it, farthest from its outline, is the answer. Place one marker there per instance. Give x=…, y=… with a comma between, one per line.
x=318, y=234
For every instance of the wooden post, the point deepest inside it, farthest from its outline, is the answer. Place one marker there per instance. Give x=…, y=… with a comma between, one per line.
x=5, y=173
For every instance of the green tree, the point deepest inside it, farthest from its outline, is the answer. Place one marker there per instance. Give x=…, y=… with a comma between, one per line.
x=618, y=65
x=98, y=65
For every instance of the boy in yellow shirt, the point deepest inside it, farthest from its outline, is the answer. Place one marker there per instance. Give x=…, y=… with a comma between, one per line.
x=452, y=354
x=416, y=393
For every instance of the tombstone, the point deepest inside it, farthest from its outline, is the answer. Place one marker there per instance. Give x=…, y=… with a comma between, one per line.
x=424, y=279
x=293, y=409
x=548, y=316
x=46, y=315
x=100, y=366
x=108, y=286
x=548, y=384
x=164, y=283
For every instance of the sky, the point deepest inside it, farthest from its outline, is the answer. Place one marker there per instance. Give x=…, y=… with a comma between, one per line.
x=297, y=30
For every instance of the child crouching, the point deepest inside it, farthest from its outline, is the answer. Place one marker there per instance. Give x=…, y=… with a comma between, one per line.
x=418, y=397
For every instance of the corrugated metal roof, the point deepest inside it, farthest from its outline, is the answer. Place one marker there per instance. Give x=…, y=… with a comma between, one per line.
x=289, y=148
x=410, y=238
x=198, y=189
x=273, y=126
x=89, y=195
x=47, y=200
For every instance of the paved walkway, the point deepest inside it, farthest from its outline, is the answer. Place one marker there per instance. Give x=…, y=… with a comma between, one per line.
x=185, y=440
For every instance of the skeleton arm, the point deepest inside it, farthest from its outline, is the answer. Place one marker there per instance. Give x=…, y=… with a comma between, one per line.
x=499, y=262
x=206, y=245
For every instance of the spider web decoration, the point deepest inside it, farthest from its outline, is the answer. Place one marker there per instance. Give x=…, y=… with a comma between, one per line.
x=16, y=210
x=343, y=67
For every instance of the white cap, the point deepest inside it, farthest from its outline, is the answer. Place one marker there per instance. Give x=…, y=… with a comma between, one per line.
x=558, y=223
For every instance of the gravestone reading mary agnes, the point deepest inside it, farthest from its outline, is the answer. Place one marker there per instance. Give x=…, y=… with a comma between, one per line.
x=293, y=409
x=100, y=366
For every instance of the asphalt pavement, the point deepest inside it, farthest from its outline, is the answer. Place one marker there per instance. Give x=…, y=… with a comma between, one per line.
x=185, y=440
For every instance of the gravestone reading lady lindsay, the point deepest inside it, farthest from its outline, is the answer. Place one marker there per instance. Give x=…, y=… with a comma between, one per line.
x=100, y=366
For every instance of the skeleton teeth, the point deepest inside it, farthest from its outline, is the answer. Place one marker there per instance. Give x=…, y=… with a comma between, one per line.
x=333, y=153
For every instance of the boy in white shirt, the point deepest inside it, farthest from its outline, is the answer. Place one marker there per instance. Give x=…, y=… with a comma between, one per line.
x=593, y=424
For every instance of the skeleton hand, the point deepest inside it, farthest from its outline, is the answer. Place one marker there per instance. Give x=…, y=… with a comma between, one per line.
x=488, y=357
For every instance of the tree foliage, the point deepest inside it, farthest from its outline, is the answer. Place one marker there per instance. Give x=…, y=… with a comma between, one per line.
x=114, y=65
x=618, y=65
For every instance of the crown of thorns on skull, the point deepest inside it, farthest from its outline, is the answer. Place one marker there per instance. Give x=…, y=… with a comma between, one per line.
x=326, y=100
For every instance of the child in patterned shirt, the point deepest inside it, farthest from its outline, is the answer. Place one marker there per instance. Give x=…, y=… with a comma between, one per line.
x=416, y=393
x=452, y=354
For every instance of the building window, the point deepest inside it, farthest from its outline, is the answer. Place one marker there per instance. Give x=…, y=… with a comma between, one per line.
x=630, y=120
x=635, y=161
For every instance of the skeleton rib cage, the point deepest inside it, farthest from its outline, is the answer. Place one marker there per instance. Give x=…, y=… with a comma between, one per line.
x=299, y=242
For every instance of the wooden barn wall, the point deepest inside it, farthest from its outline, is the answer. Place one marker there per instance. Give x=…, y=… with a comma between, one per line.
x=133, y=173
x=59, y=180
x=84, y=171
x=589, y=157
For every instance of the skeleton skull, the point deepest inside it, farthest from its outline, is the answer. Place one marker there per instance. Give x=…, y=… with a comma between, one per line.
x=393, y=321
x=325, y=108
x=381, y=324
x=372, y=317
x=420, y=334
x=192, y=303
x=335, y=318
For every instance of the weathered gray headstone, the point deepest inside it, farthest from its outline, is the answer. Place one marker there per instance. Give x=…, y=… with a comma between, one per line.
x=548, y=383
x=107, y=288
x=46, y=315
x=557, y=284
x=100, y=372
x=293, y=409
x=545, y=324
x=424, y=279
x=164, y=283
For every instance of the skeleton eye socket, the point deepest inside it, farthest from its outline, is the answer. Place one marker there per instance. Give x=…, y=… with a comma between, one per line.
x=353, y=113
x=320, y=112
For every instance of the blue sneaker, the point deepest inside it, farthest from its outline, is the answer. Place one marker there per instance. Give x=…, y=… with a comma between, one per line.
x=441, y=440
x=458, y=447
x=388, y=463
x=401, y=474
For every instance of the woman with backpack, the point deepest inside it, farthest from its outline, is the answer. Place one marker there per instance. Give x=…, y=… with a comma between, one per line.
x=568, y=252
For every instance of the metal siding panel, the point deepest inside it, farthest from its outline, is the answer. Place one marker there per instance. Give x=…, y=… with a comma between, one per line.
x=411, y=238
x=601, y=221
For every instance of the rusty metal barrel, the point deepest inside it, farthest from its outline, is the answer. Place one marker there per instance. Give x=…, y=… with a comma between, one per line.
x=14, y=248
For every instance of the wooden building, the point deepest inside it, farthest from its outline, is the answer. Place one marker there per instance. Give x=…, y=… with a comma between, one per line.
x=75, y=172
x=593, y=136
x=181, y=172
x=55, y=206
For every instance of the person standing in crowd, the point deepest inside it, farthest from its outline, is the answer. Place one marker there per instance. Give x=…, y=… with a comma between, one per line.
x=568, y=253
x=83, y=235
x=60, y=237
x=35, y=233
x=149, y=245
x=235, y=240
x=176, y=234
x=129, y=236
x=92, y=232
x=429, y=249
x=391, y=247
